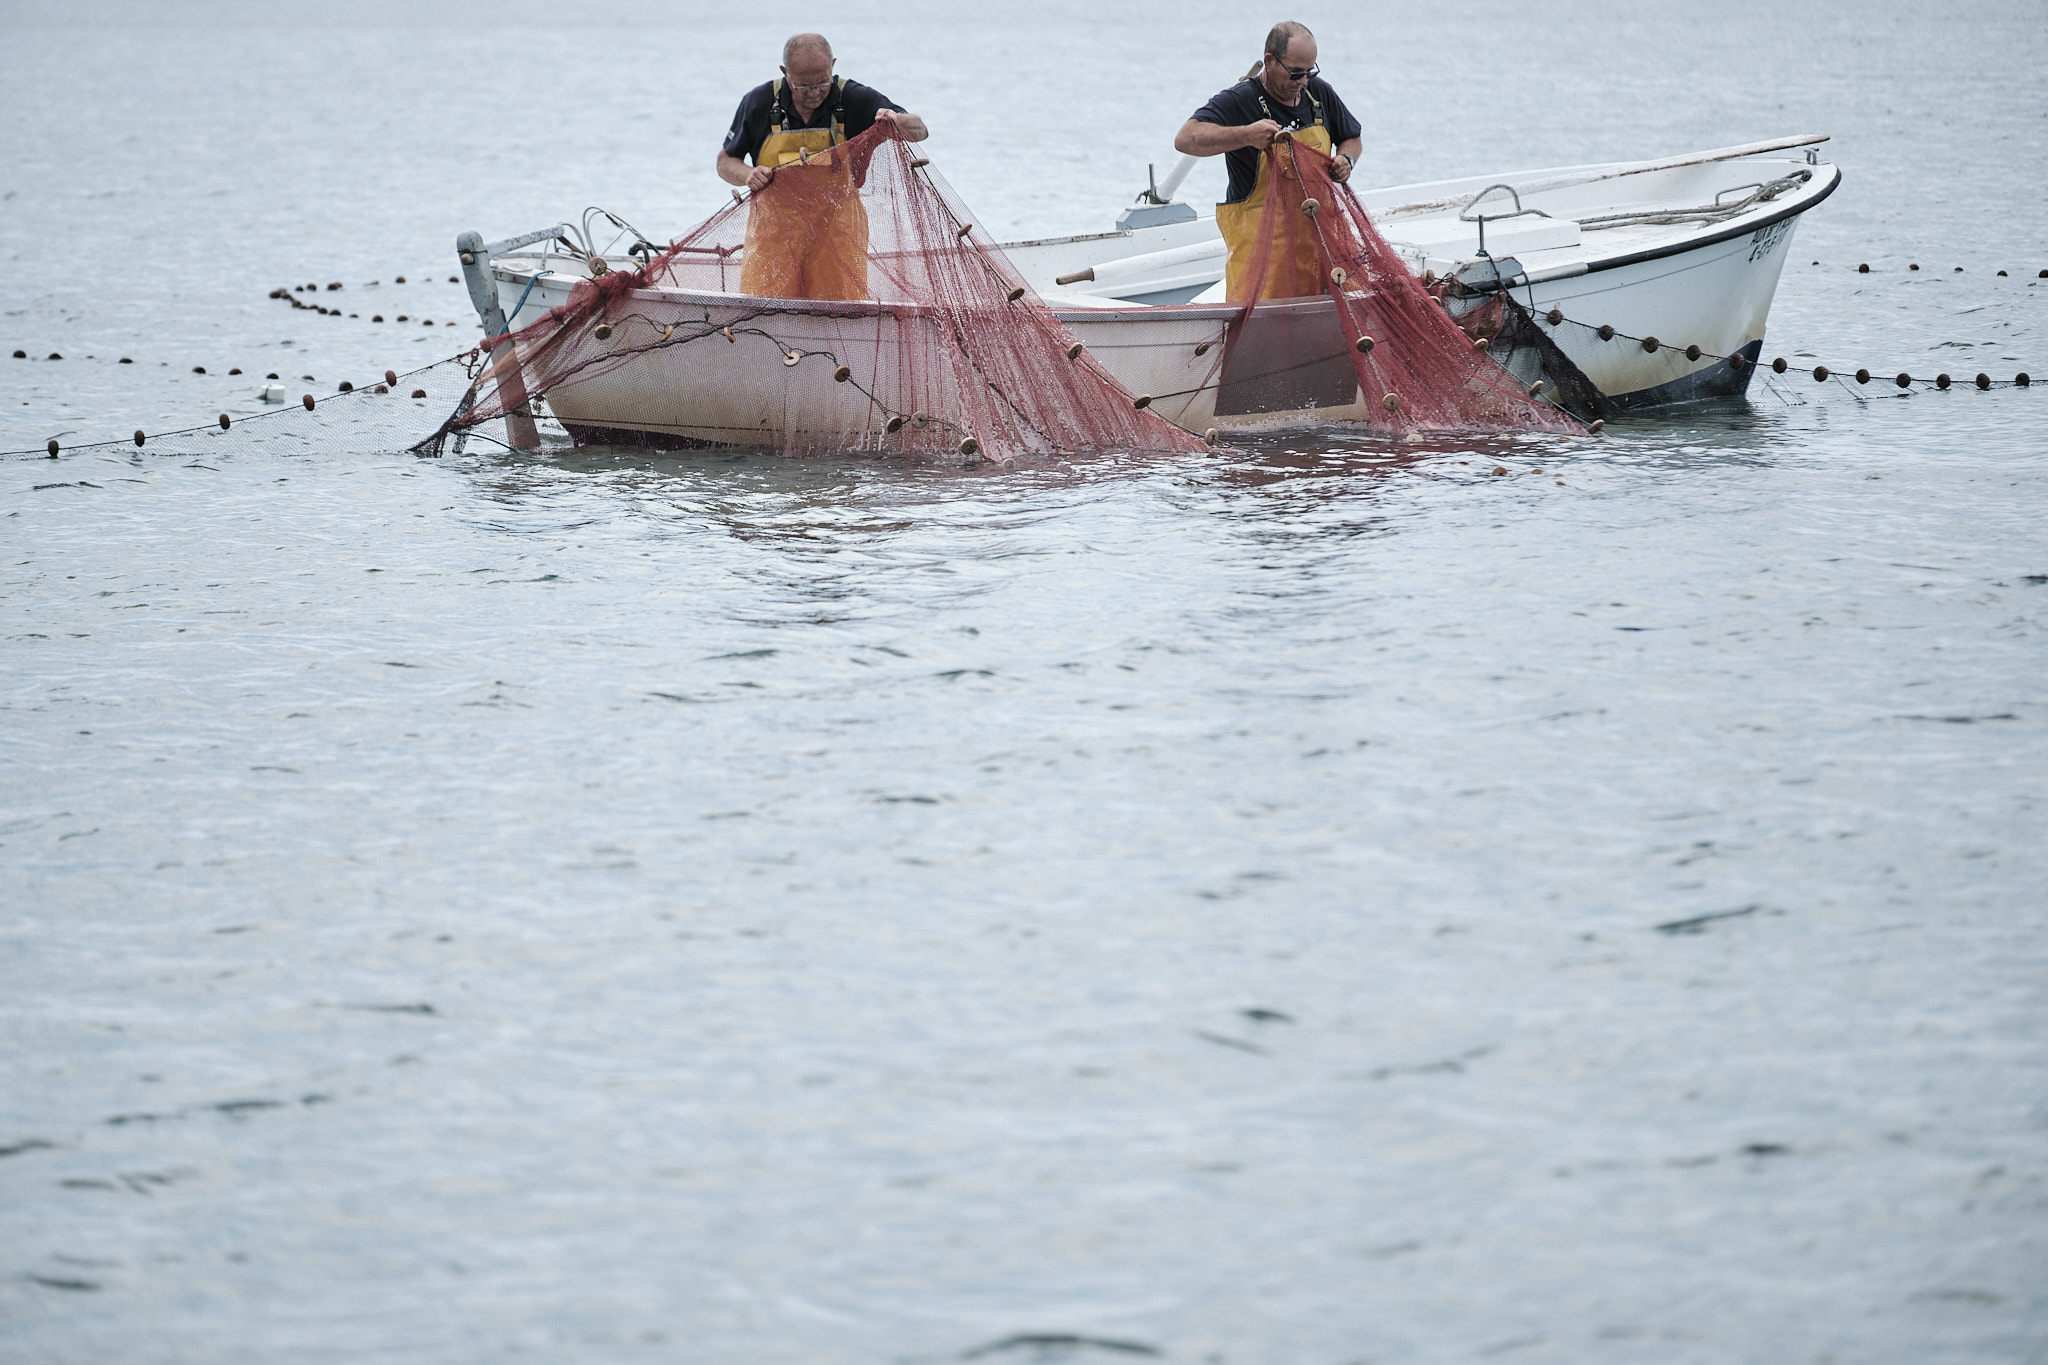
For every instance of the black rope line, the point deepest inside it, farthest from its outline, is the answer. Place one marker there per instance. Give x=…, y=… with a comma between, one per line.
x=1555, y=318
x=53, y=448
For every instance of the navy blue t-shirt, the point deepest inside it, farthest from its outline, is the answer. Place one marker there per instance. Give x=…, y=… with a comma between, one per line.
x=857, y=104
x=1240, y=105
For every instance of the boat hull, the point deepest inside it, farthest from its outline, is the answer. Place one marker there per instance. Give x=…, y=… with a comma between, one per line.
x=1677, y=303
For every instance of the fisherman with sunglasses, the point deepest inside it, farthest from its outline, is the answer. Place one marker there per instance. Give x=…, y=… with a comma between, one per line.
x=1282, y=94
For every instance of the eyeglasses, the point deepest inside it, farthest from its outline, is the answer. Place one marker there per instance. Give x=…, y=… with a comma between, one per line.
x=1296, y=73
x=810, y=85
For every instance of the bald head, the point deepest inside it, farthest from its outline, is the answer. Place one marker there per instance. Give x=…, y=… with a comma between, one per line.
x=1277, y=38
x=811, y=45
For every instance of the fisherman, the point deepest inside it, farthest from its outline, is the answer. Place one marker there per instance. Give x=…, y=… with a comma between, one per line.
x=810, y=243
x=1282, y=94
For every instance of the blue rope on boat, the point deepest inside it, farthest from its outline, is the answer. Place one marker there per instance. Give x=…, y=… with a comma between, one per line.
x=522, y=299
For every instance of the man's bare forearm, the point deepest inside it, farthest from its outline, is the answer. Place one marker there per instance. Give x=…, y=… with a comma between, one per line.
x=732, y=170
x=1196, y=138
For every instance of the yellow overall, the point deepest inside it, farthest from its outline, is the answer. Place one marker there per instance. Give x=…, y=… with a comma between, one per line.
x=1293, y=268
x=807, y=234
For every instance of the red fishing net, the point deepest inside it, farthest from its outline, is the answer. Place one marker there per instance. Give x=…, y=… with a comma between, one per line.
x=850, y=305
x=1416, y=369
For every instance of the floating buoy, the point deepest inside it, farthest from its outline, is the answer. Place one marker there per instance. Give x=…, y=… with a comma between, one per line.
x=1337, y=276
x=139, y=437
x=1863, y=269
x=347, y=387
x=791, y=358
x=1605, y=333
x=969, y=446
x=1914, y=266
x=308, y=401
x=1499, y=471
x=1650, y=344
x=599, y=266
x=1941, y=381
x=1479, y=343
x=965, y=228
x=1309, y=208
x=1536, y=388
x=390, y=376
x=2001, y=274
x=376, y=317
x=1202, y=347
x=1959, y=270
x=1209, y=436
x=1142, y=401
x=2021, y=379
x=224, y=422
x=603, y=331
x=841, y=375
x=335, y=285
x=727, y=332
x=1692, y=353
x=53, y=447
x=2042, y=276
x=1074, y=351
x=126, y=361
x=234, y=371
x=382, y=388
x=199, y=369
x=1820, y=374
x=1904, y=380
x=1392, y=402
x=918, y=419
x=738, y=198
x=1983, y=381
x=1429, y=277
x=1364, y=345
x=1555, y=316
x=1016, y=293
x=419, y=393
x=1738, y=362
x=1595, y=425
x=1778, y=365
x=1863, y=376
x=919, y=162
x=894, y=424
x=398, y=279
x=23, y=355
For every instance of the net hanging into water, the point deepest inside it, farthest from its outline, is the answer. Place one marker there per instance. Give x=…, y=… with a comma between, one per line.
x=1416, y=369
x=851, y=304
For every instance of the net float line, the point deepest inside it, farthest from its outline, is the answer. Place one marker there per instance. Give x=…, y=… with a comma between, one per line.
x=223, y=421
x=1555, y=317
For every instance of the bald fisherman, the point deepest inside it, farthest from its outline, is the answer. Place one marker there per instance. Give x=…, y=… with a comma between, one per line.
x=1283, y=93
x=814, y=249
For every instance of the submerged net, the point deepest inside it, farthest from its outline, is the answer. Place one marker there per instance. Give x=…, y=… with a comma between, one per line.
x=851, y=304
x=1415, y=368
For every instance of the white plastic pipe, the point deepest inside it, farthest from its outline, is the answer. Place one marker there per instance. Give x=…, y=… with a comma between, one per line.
x=1175, y=176
x=1125, y=266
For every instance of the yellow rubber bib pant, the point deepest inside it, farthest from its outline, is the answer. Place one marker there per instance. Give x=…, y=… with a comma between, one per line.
x=807, y=235
x=1293, y=268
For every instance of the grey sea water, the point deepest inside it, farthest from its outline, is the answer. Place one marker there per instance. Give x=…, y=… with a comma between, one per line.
x=1318, y=903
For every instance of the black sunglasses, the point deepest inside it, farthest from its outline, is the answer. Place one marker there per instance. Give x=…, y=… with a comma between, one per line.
x=1297, y=73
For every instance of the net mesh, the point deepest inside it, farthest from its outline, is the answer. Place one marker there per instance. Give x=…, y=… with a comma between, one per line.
x=1416, y=369
x=851, y=304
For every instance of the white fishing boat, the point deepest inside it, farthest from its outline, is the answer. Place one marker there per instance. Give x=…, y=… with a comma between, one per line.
x=1653, y=278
